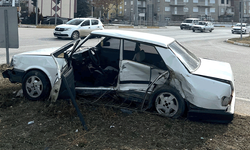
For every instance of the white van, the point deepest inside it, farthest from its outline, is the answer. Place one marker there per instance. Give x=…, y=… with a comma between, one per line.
x=188, y=23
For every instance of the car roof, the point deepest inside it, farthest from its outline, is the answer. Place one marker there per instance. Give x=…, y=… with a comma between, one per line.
x=192, y=19
x=155, y=39
x=86, y=18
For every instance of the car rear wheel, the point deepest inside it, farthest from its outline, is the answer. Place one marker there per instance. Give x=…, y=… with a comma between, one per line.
x=210, y=30
x=193, y=30
x=168, y=102
x=75, y=35
x=36, y=85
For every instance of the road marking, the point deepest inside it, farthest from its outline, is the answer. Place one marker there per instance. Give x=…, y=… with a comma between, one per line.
x=243, y=99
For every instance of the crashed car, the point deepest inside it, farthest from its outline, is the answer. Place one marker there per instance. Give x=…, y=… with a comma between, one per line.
x=156, y=71
x=238, y=29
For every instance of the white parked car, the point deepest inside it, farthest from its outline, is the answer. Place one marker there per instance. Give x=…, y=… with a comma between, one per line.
x=78, y=27
x=237, y=28
x=203, y=26
x=152, y=70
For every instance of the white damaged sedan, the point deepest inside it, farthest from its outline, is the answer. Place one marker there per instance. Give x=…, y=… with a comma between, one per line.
x=155, y=71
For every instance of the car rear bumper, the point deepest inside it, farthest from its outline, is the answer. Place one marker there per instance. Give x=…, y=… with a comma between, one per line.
x=14, y=75
x=208, y=115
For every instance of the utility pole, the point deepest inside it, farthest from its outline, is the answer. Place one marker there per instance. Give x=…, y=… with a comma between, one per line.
x=136, y=12
x=36, y=12
x=241, y=17
x=56, y=14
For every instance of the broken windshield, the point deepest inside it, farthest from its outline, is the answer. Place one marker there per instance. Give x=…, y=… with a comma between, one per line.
x=188, y=59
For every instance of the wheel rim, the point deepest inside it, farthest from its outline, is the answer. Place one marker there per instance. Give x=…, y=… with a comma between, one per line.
x=34, y=86
x=75, y=35
x=166, y=104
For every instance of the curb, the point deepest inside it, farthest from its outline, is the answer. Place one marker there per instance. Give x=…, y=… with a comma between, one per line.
x=237, y=43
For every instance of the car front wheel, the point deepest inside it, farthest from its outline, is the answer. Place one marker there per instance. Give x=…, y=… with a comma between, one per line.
x=75, y=35
x=36, y=85
x=168, y=102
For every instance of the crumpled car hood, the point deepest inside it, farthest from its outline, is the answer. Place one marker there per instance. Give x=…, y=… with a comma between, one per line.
x=215, y=69
x=46, y=51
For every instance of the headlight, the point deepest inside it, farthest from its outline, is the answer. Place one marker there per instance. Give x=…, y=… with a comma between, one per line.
x=226, y=100
x=66, y=29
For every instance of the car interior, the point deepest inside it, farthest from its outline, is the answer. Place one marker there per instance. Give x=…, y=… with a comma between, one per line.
x=99, y=66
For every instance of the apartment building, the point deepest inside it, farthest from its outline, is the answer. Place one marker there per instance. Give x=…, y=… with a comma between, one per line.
x=162, y=11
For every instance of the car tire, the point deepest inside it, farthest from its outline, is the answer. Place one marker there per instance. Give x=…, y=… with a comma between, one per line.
x=36, y=85
x=168, y=102
x=181, y=28
x=232, y=32
x=193, y=30
x=75, y=35
x=210, y=30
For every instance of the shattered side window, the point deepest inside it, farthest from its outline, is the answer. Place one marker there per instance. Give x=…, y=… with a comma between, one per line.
x=188, y=59
x=142, y=53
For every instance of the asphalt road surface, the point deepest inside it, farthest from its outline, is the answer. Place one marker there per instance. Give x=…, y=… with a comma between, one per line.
x=206, y=45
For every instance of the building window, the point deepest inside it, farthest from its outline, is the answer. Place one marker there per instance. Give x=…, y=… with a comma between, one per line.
x=158, y=9
x=125, y=3
x=227, y=2
x=185, y=9
x=158, y=1
x=185, y=1
x=195, y=1
x=131, y=2
x=167, y=8
x=212, y=10
x=138, y=2
x=167, y=0
x=212, y=1
x=222, y=2
x=222, y=10
x=125, y=10
x=195, y=9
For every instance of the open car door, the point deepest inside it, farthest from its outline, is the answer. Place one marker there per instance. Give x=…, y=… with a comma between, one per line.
x=64, y=87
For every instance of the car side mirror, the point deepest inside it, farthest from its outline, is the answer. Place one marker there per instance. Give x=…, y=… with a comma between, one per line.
x=106, y=44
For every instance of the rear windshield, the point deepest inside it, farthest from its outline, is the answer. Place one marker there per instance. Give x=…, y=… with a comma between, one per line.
x=188, y=59
x=75, y=21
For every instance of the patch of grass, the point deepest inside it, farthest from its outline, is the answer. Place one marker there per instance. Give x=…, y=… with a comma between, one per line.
x=245, y=40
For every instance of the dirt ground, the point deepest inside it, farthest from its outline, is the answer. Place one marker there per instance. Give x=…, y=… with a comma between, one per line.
x=57, y=127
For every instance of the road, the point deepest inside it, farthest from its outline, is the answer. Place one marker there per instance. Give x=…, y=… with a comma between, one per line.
x=205, y=45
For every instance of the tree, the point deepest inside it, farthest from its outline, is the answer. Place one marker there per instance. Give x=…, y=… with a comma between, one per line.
x=107, y=5
x=82, y=8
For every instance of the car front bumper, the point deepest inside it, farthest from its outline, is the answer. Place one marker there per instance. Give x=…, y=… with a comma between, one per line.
x=62, y=34
x=14, y=75
x=238, y=31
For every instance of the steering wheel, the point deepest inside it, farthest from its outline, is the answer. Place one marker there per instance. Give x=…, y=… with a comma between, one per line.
x=94, y=57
